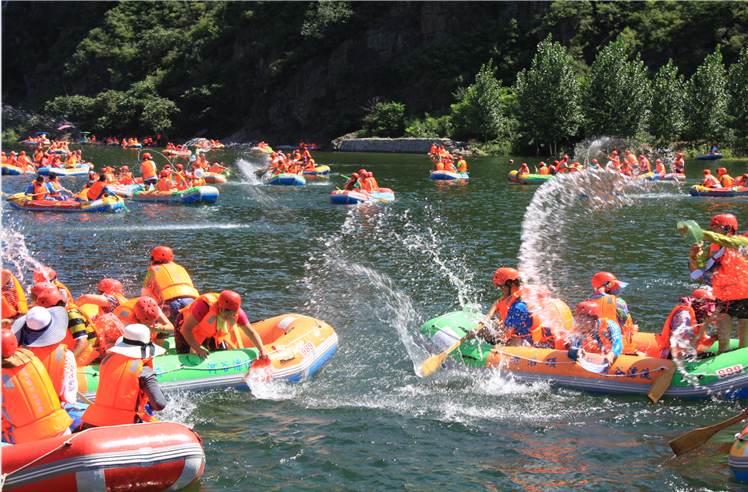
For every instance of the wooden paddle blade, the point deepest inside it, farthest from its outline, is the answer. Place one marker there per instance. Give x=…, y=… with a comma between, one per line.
x=695, y=438
x=661, y=384
x=435, y=361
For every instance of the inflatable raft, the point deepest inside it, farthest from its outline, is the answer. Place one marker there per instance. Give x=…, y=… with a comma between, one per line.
x=286, y=179
x=199, y=194
x=133, y=146
x=738, y=459
x=669, y=177
x=107, y=204
x=318, y=171
x=722, y=376
x=447, y=175
x=345, y=197
x=158, y=456
x=8, y=170
x=214, y=178
x=178, y=153
x=528, y=179
x=709, y=157
x=78, y=170
x=297, y=345
x=698, y=190
x=124, y=191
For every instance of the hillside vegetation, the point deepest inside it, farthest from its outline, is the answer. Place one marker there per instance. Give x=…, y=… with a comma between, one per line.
x=317, y=70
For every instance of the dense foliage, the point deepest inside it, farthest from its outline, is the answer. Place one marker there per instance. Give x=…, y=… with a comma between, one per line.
x=289, y=70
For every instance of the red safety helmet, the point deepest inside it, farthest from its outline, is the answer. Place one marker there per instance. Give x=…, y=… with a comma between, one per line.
x=502, y=275
x=44, y=274
x=180, y=167
x=355, y=175
x=49, y=297
x=39, y=287
x=725, y=220
x=146, y=310
x=162, y=253
x=10, y=343
x=600, y=279
x=702, y=294
x=228, y=299
x=680, y=154
x=362, y=171
x=110, y=286
x=146, y=155
x=164, y=173
x=706, y=171
x=124, y=168
x=614, y=153
x=722, y=170
x=590, y=308
x=628, y=152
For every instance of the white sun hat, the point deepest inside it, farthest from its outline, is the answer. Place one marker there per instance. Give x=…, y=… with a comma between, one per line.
x=52, y=322
x=136, y=343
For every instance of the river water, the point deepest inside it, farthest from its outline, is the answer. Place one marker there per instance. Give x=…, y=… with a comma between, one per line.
x=376, y=272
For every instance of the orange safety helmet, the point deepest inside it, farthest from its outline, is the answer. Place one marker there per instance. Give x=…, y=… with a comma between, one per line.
x=39, y=287
x=49, y=297
x=725, y=220
x=706, y=171
x=110, y=286
x=228, y=299
x=355, y=175
x=162, y=253
x=614, y=153
x=502, y=275
x=146, y=155
x=607, y=280
x=44, y=274
x=590, y=308
x=702, y=294
x=146, y=310
x=10, y=343
x=362, y=171
x=721, y=171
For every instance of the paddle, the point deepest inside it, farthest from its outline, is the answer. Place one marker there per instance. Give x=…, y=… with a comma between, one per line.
x=435, y=361
x=690, y=232
x=695, y=438
x=83, y=397
x=662, y=383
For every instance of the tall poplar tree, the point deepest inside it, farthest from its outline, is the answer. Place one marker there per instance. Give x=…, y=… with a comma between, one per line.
x=549, y=96
x=617, y=93
x=707, y=100
x=668, y=93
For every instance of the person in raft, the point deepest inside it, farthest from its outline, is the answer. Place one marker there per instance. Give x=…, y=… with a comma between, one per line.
x=607, y=295
x=168, y=283
x=127, y=382
x=36, y=188
x=43, y=332
x=144, y=310
x=710, y=181
x=148, y=170
x=515, y=321
x=15, y=304
x=208, y=320
x=82, y=333
x=25, y=380
x=594, y=334
x=729, y=275
x=686, y=327
x=352, y=183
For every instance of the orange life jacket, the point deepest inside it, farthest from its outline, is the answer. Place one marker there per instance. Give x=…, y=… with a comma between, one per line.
x=608, y=310
x=119, y=398
x=56, y=188
x=645, y=166
x=31, y=404
x=126, y=178
x=148, y=169
x=590, y=343
x=730, y=278
x=461, y=166
x=679, y=165
x=53, y=359
x=543, y=171
x=96, y=190
x=164, y=184
x=366, y=185
x=14, y=300
x=726, y=181
x=710, y=181
x=439, y=166
x=505, y=304
x=171, y=281
x=207, y=328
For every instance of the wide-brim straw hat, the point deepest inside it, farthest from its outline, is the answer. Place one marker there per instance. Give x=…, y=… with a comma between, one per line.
x=136, y=343
x=53, y=321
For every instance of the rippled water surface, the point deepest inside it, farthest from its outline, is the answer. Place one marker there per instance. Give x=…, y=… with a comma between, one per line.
x=375, y=272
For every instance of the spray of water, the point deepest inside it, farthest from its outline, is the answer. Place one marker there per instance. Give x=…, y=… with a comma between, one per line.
x=16, y=256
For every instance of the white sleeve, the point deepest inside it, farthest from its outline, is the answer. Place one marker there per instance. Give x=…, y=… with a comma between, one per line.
x=70, y=380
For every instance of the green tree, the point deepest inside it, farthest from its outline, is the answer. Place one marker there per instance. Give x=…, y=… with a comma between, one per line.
x=322, y=16
x=738, y=109
x=668, y=93
x=707, y=100
x=480, y=111
x=549, y=105
x=385, y=120
x=617, y=94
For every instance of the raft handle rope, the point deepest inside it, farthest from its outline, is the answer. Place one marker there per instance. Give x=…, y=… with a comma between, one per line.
x=661, y=368
x=63, y=445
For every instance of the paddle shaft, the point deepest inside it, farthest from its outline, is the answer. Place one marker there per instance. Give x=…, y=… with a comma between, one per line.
x=695, y=438
x=435, y=361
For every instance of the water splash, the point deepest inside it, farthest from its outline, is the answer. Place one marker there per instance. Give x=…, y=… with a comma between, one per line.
x=16, y=256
